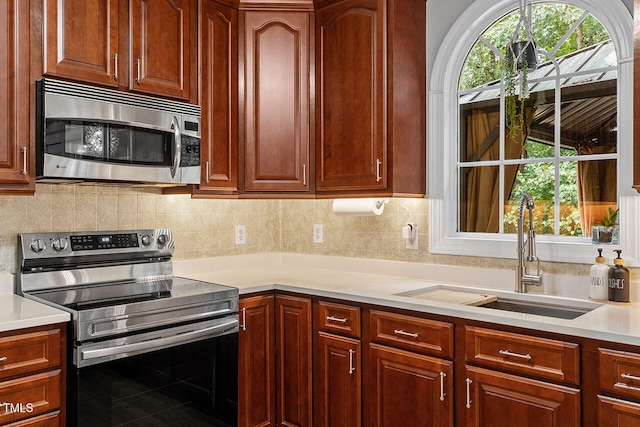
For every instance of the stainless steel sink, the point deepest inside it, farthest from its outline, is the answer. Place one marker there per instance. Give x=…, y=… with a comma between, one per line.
x=549, y=306
x=538, y=308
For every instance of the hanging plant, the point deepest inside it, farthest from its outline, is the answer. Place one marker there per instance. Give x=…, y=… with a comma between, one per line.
x=520, y=58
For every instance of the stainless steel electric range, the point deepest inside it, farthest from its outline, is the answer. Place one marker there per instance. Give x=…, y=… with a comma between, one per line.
x=145, y=347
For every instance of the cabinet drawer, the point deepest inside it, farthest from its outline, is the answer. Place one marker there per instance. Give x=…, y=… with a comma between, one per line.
x=24, y=353
x=52, y=419
x=30, y=396
x=523, y=354
x=412, y=333
x=339, y=319
x=619, y=372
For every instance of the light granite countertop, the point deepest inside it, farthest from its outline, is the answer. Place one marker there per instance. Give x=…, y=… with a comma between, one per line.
x=17, y=312
x=362, y=282
x=380, y=283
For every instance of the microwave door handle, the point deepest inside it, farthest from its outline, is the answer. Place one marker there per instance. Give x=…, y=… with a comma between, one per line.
x=177, y=146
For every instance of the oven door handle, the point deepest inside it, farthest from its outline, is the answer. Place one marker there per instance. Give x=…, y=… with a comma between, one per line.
x=159, y=343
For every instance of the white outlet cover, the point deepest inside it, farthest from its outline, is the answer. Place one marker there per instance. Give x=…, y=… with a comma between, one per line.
x=241, y=235
x=318, y=236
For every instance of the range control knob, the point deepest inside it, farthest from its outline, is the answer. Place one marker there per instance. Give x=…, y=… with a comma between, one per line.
x=146, y=240
x=162, y=240
x=37, y=245
x=59, y=245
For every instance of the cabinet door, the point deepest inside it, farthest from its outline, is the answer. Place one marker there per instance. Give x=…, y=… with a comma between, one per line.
x=502, y=400
x=17, y=158
x=351, y=140
x=617, y=413
x=293, y=361
x=338, y=396
x=410, y=387
x=277, y=94
x=219, y=101
x=256, y=364
x=163, y=47
x=81, y=40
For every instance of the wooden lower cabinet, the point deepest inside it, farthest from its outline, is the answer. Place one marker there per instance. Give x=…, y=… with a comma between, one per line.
x=256, y=363
x=337, y=381
x=617, y=413
x=293, y=361
x=409, y=389
x=32, y=376
x=496, y=399
x=275, y=361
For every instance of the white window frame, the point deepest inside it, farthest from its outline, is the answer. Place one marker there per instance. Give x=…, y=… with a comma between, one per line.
x=442, y=145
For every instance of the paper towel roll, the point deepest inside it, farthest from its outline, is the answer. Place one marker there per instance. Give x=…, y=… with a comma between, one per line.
x=358, y=207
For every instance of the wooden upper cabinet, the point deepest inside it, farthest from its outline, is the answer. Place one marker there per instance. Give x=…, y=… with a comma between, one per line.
x=276, y=130
x=163, y=47
x=17, y=164
x=81, y=40
x=352, y=144
x=218, y=27
x=90, y=41
x=370, y=96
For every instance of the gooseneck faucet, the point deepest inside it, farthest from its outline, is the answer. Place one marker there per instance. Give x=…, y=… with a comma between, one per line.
x=522, y=277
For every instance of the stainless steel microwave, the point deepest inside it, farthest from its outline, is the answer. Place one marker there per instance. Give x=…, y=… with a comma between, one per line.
x=87, y=133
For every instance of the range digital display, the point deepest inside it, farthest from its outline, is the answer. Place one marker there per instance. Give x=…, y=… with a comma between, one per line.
x=104, y=241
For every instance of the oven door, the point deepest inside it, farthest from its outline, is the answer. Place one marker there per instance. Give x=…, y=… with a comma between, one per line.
x=184, y=376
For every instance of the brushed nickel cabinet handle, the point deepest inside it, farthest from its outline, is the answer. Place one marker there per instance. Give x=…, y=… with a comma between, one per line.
x=24, y=161
x=629, y=377
x=378, y=176
x=442, y=393
x=304, y=175
x=351, y=367
x=336, y=319
x=138, y=67
x=3, y=359
x=507, y=353
x=206, y=171
x=405, y=334
x=468, y=405
x=244, y=319
x=115, y=66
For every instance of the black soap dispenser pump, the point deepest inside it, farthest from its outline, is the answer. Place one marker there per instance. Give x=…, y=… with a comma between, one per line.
x=618, y=280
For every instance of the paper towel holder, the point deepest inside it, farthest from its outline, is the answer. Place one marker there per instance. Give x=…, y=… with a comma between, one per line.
x=380, y=203
x=359, y=206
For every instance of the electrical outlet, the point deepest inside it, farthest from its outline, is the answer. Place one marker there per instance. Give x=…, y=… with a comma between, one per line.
x=241, y=235
x=317, y=233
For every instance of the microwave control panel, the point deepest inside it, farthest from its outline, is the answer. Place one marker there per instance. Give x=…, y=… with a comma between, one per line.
x=190, y=151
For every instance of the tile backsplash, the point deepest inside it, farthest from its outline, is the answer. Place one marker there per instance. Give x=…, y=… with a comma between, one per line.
x=205, y=228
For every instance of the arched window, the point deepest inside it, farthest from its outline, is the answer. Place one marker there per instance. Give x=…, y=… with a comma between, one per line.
x=565, y=137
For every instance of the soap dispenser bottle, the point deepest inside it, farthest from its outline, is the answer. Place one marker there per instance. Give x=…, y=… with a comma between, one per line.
x=599, y=274
x=618, y=280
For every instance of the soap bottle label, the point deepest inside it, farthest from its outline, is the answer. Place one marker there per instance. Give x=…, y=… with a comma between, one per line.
x=616, y=283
